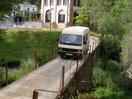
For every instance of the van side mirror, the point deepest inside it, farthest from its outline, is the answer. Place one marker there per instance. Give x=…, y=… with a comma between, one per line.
x=85, y=42
x=58, y=40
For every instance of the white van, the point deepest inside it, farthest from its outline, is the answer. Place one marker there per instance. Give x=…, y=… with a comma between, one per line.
x=74, y=41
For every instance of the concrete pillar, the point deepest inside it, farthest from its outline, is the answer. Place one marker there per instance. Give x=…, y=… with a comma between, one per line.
x=42, y=10
x=55, y=11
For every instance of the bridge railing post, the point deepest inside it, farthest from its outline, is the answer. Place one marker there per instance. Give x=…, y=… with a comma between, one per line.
x=35, y=59
x=93, y=47
x=35, y=94
x=90, y=49
x=6, y=68
x=52, y=50
x=77, y=62
x=62, y=79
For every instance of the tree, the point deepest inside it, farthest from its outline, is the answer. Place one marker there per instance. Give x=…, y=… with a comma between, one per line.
x=6, y=6
x=94, y=10
x=106, y=16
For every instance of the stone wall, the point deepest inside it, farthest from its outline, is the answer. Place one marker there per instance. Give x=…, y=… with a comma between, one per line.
x=27, y=25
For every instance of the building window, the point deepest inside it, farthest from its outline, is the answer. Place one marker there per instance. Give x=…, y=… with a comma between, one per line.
x=48, y=16
x=46, y=2
x=65, y=2
x=77, y=3
x=51, y=2
x=61, y=17
x=59, y=2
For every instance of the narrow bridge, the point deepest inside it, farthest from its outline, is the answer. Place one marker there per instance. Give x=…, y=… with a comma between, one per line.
x=48, y=81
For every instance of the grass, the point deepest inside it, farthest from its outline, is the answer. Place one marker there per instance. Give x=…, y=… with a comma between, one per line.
x=20, y=46
x=95, y=34
x=27, y=65
x=17, y=44
x=2, y=74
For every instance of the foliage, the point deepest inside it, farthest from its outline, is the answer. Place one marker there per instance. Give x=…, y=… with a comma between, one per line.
x=2, y=74
x=127, y=51
x=82, y=20
x=106, y=16
x=105, y=93
x=126, y=63
x=109, y=24
x=90, y=95
x=107, y=83
x=20, y=43
x=94, y=9
x=27, y=66
x=95, y=34
x=99, y=77
x=111, y=48
x=112, y=22
x=6, y=6
x=112, y=18
x=103, y=74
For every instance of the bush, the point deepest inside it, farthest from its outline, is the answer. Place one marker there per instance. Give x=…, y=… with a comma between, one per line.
x=113, y=67
x=2, y=74
x=19, y=43
x=111, y=48
x=99, y=77
x=105, y=93
x=90, y=95
x=27, y=66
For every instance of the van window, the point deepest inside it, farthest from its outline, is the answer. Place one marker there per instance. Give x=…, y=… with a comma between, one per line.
x=69, y=39
x=85, y=39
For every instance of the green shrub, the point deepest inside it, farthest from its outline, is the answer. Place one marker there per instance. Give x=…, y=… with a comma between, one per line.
x=14, y=76
x=99, y=77
x=2, y=74
x=90, y=95
x=113, y=67
x=19, y=43
x=27, y=66
x=105, y=93
x=111, y=48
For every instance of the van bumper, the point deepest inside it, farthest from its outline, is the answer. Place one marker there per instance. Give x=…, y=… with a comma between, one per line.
x=64, y=53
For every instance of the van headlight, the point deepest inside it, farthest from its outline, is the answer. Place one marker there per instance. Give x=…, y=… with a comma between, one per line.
x=59, y=49
x=79, y=51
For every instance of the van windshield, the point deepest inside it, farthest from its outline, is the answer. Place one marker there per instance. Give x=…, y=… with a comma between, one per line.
x=69, y=39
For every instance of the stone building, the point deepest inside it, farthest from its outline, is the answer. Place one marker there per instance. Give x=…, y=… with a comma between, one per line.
x=59, y=13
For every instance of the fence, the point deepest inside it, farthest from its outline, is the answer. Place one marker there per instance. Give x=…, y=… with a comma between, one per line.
x=69, y=69
x=6, y=73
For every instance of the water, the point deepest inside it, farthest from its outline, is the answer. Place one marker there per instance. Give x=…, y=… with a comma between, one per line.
x=13, y=70
x=13, y=66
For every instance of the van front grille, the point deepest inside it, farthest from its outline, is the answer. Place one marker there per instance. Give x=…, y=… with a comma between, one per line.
x=69, y=50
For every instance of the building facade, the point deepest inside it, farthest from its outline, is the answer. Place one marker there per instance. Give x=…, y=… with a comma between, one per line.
x=28, y=7
x=59, y=13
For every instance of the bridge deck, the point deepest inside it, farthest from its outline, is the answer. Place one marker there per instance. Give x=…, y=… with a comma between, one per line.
x=46, y=77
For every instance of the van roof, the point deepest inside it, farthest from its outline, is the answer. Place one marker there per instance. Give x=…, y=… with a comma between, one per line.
x=78, y=30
